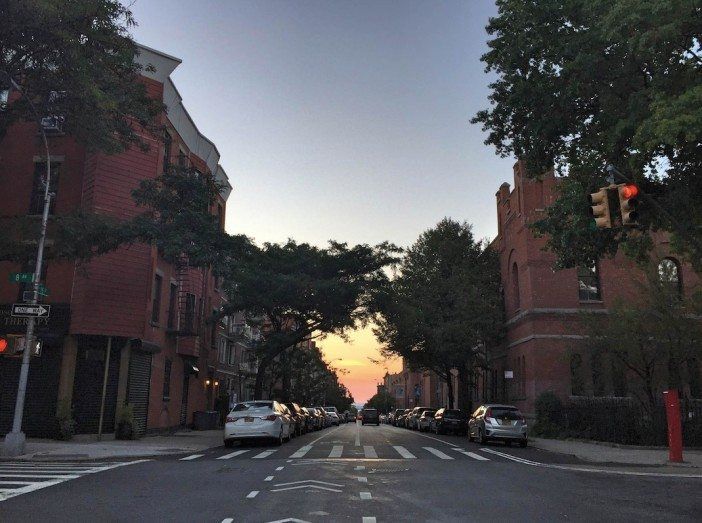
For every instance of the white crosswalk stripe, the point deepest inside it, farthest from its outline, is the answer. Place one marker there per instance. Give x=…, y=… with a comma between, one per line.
x=264, y=454
x=472, y=455
x=402, y=451
x=369, y=452
x=302, y=451
x=233, y=454
x=336, y=451
x=191, y=457
x=22, y=477
x=437, y=453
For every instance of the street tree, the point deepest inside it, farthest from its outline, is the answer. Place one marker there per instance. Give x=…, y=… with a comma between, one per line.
x=382, y=401
x=589, y=83
x=654, y=340
x=444, y=304
x=305, y=292
x=75, y=61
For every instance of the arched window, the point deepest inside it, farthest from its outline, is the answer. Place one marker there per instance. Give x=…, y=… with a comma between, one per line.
x=669, y=275
x=515, y=285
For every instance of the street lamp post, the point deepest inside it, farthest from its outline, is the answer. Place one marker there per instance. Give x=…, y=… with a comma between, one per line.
x=15, y=441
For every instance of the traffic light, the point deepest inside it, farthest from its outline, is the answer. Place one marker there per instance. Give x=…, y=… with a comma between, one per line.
x=599, y=209
x=628, y=203
x=14, y=344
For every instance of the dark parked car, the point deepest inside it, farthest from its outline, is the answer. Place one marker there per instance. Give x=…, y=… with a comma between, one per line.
x=396, y=416
x=317, y=419
x=450, y=420
x=298, y=418
x=370, y=416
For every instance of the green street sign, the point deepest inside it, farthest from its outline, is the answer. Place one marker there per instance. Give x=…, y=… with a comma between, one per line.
x=43, y=291
x=21, y=277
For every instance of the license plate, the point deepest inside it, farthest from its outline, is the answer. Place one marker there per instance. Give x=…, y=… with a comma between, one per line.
x=506, y=422
x=248, y=419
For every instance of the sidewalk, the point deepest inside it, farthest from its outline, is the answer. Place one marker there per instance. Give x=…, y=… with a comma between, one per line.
x=599, y=452
x=184, y=441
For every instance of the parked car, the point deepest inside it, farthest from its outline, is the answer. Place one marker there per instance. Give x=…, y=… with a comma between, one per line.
x=298, y=418
x=257, y=420
x=370, y=416
x=413, y=417
x=396, y=415
x=325, y=415
x=333, y=414
x=450, y=420
x=498, y=422
x=309, y=419
x=317, y=418
x=403, y=417
x=424, y=421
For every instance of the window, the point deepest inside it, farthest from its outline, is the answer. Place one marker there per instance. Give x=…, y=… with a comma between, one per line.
x=598, y=378
x=214, y=328
x=172, y=305
x=618, y=374
x=222, y=352
x=182, y=159
x=4, y=96
x=515, y=285
x=577, y=385
x=156, y=299
x=167, y=380
x=589, y=283
x=189, y=319
x=167, y=145
x=669, y=275
x=36, y=201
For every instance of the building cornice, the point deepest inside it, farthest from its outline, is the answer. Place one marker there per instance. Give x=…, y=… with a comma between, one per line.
x=550, y=310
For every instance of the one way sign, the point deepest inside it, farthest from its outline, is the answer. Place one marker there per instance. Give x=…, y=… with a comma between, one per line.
x=22, y=310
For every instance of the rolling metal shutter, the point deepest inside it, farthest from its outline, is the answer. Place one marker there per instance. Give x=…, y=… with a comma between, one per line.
x=138, y=388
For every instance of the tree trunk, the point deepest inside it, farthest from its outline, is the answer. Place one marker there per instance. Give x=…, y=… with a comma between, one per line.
x=260, y=376
x=465, y=387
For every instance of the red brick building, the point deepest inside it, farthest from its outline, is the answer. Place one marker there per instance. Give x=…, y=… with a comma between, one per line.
x=543, y=348
x=130, y=312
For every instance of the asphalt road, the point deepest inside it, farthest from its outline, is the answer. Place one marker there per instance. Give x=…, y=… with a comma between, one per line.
x=334, y=475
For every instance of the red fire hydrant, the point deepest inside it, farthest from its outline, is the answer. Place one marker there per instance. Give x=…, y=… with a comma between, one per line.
x=672, y=412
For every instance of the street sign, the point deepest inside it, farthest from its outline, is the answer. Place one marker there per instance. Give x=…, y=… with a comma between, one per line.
x=28, y=296
x=509, y=374
x=21, y=277
x=22, y=310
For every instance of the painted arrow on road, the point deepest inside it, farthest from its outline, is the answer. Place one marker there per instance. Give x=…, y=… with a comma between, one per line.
x=307, y=481
x=305, y=486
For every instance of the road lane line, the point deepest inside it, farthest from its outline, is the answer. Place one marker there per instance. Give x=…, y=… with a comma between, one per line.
x=437, y=453
x=193, y=456
x=402, y=451
x=232, y=454
x=302, y=451
x=279, y=468
x=228, y=520
x=252, y=494
x=336, y=451
x=358, y=435
x=365, y=495
x=360, y=467
x=510, y=457
x=362, y=479
x=369, y=451
x=269, y=478
x=366, y=519
x=264, y=454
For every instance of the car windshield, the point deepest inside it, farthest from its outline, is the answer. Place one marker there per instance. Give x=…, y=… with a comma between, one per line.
x=506, y=413
x=429, y=413
x=456, y=414
x=253, y=406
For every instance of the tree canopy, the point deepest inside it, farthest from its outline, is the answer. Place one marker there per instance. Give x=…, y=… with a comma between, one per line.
x=75, y=60
x=382, y=401
x=301, y=291
x=582, y=84
x=444, y=304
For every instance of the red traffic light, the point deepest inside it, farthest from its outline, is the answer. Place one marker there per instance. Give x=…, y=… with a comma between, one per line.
x=3, y=345
x=629, y=191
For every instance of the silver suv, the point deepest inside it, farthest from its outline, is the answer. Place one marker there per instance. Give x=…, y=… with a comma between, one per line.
x=498, y=422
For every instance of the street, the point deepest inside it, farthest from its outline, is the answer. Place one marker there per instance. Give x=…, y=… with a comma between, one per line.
x=350, y=473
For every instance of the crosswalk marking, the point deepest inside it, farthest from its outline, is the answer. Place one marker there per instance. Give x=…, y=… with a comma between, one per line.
x=472, y=455
x=302, y=451
x=264, y=454
x=369, y=452
x=192, y=456
x=437, y=453
x=17, y=478
x=402, y=451
x=336, y=451
x=233, y=454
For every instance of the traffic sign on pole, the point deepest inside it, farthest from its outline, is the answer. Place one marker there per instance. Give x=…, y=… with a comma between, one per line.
x=22, y=310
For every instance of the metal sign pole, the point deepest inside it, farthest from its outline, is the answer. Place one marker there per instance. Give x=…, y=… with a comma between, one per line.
x=104, y=387
x=15, y=440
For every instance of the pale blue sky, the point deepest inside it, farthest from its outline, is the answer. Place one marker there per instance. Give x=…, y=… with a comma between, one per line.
x=342, y=120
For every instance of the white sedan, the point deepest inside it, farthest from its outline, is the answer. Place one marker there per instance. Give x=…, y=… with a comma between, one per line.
x=256, y=420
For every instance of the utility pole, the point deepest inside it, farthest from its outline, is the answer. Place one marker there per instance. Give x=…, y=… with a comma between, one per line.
x=15, y=441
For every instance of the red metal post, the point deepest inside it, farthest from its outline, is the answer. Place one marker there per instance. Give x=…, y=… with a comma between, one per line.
x=672, y=412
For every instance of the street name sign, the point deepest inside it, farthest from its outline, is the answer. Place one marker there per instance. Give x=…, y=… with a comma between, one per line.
x=21, y=277
x=22, y=310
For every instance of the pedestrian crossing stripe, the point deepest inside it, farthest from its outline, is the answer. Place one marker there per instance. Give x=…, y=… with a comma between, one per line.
x=404, y=452
x=437, y=453
x=22, y=477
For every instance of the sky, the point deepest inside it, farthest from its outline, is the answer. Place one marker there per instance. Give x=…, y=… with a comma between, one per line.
x=344, y=120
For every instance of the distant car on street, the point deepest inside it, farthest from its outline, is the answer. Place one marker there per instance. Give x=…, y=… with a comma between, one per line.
x=424, y=421
x=498, y=422
x=333, y=415
x=370, y=416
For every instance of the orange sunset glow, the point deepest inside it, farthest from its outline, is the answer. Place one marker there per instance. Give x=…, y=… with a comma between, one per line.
x=353, y=359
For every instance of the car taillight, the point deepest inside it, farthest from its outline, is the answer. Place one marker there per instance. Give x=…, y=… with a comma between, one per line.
x=230, y=419
x=272, y=417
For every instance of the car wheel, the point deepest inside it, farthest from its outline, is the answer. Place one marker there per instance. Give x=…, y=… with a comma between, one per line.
x=470, y=435
x=481, y=437
x=279, y=439
x=508, y=443
x=229, y=443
